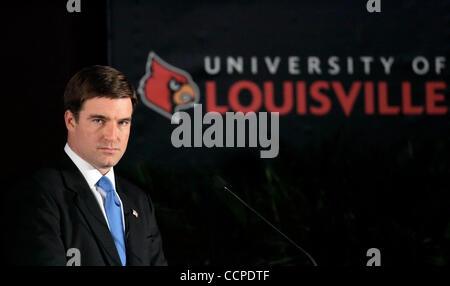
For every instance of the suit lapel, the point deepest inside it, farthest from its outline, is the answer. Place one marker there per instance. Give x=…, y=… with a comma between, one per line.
x=132, y=249
x=86, y=202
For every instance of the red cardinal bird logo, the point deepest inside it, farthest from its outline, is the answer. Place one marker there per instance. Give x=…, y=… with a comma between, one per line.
x=167, y=89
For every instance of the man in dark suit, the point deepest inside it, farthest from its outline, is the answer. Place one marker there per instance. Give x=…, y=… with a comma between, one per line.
x=81, y=212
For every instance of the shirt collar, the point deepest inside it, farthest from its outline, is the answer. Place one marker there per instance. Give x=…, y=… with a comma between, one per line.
x=91, y=174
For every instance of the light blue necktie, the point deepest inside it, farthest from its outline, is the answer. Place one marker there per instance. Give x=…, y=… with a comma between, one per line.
x=114, y=215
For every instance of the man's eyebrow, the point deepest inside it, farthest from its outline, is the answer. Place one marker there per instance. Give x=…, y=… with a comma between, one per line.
x=98, y=116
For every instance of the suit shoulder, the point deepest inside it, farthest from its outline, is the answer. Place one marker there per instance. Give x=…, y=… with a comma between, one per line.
x=45, y=182
x=39, y=188
x=46, y=173
x=47, y=177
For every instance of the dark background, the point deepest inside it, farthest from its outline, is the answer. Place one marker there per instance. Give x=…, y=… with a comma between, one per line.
x=381, y=182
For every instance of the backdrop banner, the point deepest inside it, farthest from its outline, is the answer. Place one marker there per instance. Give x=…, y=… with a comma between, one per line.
x=362, y=155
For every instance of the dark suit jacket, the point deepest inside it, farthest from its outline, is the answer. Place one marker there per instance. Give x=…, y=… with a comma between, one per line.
x=56, y=211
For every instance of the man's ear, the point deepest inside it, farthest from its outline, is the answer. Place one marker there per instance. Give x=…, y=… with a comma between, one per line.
x=70, y=120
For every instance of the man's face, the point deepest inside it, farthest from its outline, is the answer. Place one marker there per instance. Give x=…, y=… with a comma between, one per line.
x=100, y=135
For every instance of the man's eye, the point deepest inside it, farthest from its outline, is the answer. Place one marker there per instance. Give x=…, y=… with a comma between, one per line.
x=98, y=121
x=124, y=123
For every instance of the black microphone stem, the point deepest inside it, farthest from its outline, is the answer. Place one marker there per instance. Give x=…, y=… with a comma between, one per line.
x=260, y=216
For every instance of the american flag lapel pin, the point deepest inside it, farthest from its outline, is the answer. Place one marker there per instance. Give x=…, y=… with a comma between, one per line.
x=135, y=213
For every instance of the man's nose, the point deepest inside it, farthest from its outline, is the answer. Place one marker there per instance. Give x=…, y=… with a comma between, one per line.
x=110, y=132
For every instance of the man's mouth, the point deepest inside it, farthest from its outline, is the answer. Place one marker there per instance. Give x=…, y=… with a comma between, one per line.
x=108, y=150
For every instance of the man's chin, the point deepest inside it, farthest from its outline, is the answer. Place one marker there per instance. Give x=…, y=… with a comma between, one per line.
x=106, y=165
x=107, y=162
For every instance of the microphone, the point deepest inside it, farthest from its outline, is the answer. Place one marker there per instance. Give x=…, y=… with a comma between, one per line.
x=221, y=184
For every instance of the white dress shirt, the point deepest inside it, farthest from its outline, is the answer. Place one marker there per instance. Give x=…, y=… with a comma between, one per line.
x=92, y=176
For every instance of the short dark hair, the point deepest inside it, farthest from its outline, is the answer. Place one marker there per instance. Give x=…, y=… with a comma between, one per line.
x=97, y=81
